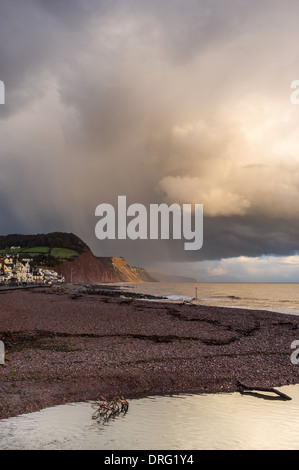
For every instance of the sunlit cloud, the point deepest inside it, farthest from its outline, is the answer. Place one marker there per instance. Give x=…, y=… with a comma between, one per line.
x=246, y=269
x=237, y=269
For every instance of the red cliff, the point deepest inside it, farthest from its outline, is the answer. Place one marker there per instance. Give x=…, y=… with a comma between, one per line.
x=86, y=268
x=90, y=269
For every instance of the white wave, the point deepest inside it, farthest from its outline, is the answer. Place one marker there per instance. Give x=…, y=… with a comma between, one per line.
x=178, y=297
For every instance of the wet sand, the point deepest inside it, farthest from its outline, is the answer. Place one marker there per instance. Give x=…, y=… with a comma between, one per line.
x=66, y=347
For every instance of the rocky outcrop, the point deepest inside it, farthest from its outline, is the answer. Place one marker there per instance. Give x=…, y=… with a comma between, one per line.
x=91, y=269
x=143, y=274
x=124, y=272
x=86, y=268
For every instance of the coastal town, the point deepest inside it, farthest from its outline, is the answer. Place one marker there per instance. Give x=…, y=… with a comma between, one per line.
x=16, y=270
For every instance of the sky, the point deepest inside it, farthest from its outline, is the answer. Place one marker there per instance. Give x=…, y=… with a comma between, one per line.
x=180, y=101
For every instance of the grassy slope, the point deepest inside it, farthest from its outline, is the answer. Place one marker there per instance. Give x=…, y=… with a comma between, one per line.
x=42, y=250
x=63, y=252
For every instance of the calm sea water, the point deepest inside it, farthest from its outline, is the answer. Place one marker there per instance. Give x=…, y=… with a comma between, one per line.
x=282, y=298
x=187, y=422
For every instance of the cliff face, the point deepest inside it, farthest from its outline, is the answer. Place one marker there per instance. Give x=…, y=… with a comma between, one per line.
x=143, y=274
x=124, y=272
x=86, y=268
x=90, y=269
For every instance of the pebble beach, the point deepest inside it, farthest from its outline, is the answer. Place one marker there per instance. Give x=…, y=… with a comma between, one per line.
x=67, y=346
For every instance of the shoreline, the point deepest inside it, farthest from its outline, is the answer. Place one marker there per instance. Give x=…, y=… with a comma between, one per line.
x=68, y=346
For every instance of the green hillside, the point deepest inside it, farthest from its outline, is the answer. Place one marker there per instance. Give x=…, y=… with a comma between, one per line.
x=34, y=251
x=45, y=249
x=63, y=253
x=42, y=242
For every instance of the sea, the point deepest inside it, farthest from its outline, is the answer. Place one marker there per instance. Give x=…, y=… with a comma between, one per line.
x=223, y=421
x=277, y=297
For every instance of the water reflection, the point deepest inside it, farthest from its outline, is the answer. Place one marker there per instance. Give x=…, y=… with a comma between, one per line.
x=189, y=422
x=264, y=396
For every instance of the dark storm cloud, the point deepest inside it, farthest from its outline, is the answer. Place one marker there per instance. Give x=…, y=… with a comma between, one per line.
x=223, y=238
x=176, y=101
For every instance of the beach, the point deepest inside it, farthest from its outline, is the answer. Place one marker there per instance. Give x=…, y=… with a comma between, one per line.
x=64, y=346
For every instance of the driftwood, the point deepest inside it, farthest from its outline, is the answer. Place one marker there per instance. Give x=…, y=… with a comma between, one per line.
x=264, y=389
x=106, y=409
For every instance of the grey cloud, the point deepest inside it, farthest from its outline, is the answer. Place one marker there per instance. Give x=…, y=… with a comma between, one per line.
x=97, y=90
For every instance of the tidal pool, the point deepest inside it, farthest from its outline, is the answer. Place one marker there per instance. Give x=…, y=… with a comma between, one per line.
x=181, y=422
